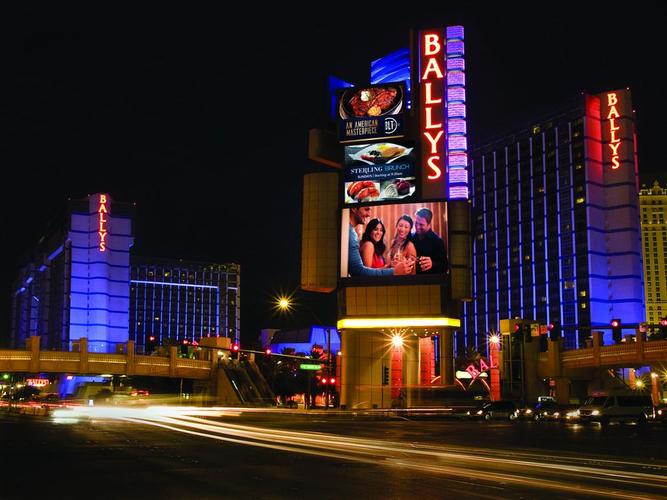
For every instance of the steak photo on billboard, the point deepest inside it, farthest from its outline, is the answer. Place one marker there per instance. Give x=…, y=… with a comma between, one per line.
x=371, y=112
x=394, y=240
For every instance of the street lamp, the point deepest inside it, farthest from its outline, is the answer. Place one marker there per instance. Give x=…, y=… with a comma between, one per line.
x=285, y=304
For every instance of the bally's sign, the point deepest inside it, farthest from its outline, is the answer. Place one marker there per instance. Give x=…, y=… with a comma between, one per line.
x=616, y=120
x=432, y=116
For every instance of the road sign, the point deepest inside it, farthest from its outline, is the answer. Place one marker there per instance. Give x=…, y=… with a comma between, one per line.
x=310, y=367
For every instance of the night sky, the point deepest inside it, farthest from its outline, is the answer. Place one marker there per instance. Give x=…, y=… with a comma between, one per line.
x=200, y=116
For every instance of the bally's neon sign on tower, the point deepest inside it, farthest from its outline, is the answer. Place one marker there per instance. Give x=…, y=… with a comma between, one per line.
x=443, y=114
x=103, y=220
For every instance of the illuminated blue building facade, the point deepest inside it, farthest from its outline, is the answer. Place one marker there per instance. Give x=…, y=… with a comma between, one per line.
x=556, y=225
x=83, y=281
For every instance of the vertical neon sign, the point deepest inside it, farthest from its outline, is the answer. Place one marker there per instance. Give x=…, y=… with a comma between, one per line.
x=614, y=140
x=103, y=213
x=432, y=122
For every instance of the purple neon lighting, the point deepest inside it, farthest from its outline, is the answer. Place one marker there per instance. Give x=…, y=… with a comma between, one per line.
x=457, y=142
x=456, y=126
x=456, y=111
x=458, y=175
x=458, y=160
x=455, y=32
x=454, y=48
x=456, y=78
x=458, y=192
x=456, y=94
x=456, y=63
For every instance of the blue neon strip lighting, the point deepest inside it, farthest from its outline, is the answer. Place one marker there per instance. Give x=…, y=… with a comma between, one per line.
x=394, y=67
x=457, y=143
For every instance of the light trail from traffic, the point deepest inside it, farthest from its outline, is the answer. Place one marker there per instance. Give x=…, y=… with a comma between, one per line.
x=555, y=473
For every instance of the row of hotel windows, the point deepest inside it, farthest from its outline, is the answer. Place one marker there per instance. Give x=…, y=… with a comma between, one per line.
x=183, y=276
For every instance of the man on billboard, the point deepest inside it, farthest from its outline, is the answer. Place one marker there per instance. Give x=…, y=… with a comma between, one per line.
x=359, y=216
x=431, y=255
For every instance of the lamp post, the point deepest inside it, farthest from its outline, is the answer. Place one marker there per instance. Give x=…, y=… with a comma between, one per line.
x=285, y=305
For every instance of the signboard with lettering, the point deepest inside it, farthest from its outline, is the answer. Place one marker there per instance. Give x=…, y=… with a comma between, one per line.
x=383, y=171
x=432, y=115
x=617, y=129
x=373, y=112
x=103, y=219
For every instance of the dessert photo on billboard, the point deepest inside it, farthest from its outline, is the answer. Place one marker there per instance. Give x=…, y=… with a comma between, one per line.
x=394, y=240
x=383, y=171
x=371, y=112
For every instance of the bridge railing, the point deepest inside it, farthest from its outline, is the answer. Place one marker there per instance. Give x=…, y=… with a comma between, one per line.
x=34, y=360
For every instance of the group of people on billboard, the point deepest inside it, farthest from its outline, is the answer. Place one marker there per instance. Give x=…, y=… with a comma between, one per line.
x=414, y=248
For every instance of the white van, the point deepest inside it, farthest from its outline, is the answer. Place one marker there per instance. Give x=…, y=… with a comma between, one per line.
x=618, y=408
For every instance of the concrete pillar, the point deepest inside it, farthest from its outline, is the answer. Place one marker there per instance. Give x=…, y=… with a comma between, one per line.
x=640, y=345
x=32, y=343
x=173, y=356
x=655, y=389
x=632, y=378
x=532, y=385
x=364, y=353
x=597, y=344
x=130, y=359
x=562, y=390
x=83, y=355
x=411, y=369
x=446, y=357
x=426, y=361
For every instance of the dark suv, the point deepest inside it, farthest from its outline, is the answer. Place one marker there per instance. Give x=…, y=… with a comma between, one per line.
x=496, y=410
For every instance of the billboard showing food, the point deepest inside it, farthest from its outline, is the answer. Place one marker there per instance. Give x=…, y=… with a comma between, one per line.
x=379, y=241
x=382, y=171
x=371, y=112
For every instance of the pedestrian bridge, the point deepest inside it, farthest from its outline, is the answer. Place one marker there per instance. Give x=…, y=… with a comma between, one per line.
x=626, y=354
x=34, y=360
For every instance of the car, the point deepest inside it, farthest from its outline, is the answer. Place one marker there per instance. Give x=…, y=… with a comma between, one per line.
x=496, y=410
x=569, y=414
x=622, y=408
x=659, y=413
x=547, y=410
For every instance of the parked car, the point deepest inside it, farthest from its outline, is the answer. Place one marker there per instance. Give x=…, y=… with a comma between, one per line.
x=660, y=413
x=620, y=408
x=496, y=410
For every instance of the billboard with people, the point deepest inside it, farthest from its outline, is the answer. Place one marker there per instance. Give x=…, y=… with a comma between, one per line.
x=380, y=241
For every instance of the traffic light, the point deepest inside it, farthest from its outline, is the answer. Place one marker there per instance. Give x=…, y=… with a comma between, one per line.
x=267, y=351
x=385, y=375
x=616, y=330
x=554, y=331
x=525, y=331
x=150, y=344
x=184, y=347
x=234, y=350
x=663, y=328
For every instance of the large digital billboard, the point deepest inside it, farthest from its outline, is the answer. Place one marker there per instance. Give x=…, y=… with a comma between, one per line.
x=383, y=171
x=373, y=112
x=394, y=240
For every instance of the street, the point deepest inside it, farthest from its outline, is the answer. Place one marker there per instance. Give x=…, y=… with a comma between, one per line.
x=246, y=454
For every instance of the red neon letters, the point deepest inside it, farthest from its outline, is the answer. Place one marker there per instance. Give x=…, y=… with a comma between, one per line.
x=432, y=116
x=614, y=140
x=102, y=212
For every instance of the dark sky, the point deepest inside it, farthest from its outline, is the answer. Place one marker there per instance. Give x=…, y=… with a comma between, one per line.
x=200, y=114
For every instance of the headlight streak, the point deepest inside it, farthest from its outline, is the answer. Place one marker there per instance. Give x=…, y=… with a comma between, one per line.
x=397, y=454
x=469, y=463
